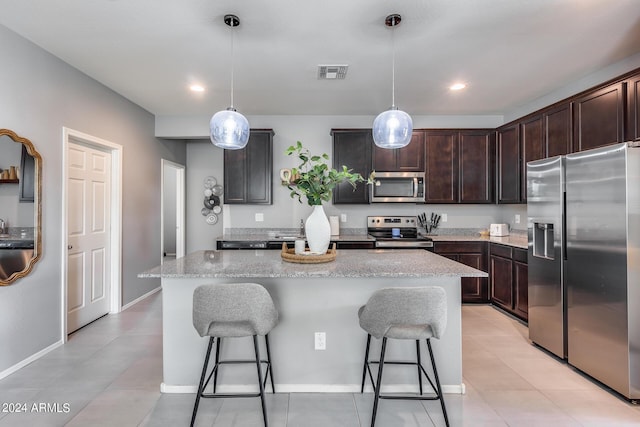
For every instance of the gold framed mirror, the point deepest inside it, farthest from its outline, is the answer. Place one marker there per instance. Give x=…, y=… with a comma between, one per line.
x=20, y=206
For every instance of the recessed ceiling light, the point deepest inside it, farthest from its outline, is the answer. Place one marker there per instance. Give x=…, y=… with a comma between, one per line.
x=196, y=88
x=457, y=86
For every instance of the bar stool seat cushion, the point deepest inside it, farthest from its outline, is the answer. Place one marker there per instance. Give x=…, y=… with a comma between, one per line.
x=405, y=313
x=233, y=310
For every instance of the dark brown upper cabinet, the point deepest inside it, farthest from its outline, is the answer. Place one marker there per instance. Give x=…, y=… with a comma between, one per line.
x=352, y=148
x=533, y=148
x=633, y=108
x=460, y=166
x=599, y=117
x=441, y=183
x=406, y=159
x=508, y=164
x=248, y=173
x=558, y=130
x=477, y=165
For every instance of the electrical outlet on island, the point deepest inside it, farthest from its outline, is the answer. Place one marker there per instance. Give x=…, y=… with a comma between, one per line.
x=320, y=341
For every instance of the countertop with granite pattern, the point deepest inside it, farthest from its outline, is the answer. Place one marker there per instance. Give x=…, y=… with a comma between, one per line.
x=515, y=240
x=518, y=240
x=259, y=237
x=17, y=238
x=355, y=263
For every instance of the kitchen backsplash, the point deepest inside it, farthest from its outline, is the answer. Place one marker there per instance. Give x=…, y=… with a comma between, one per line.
x=285, y=214
x=230, y=232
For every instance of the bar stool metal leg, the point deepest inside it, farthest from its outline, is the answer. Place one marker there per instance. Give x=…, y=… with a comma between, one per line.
x=201, y=385
x=215, y=374
x=269, y=367
x=378, y=382
x=419, y=363
x=260, y=384
x=366, y=361
x=435, y=374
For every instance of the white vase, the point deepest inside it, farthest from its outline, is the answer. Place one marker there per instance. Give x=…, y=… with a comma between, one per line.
x=318, y=230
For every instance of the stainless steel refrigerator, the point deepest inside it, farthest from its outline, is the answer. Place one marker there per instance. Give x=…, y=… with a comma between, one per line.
x=583, y=214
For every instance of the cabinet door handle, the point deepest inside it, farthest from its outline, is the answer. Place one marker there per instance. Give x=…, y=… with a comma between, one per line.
x=69, y=247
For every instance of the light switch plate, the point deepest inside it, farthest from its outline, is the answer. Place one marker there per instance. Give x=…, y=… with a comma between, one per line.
x=259, y=217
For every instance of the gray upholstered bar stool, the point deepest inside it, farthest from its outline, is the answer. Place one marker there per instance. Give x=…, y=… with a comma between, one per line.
x=405, y=314
x=233, y=310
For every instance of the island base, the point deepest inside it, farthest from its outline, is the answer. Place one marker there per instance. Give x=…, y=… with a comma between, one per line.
x=305, y=306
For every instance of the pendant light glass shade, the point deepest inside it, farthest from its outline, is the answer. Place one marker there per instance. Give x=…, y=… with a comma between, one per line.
x=392, y=128
x=228, y=128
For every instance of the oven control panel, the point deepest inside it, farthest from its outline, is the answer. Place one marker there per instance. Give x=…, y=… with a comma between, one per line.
x=392, y=221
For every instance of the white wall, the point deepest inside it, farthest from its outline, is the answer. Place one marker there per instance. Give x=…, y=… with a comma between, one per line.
x=203, y=160
x=40, y=95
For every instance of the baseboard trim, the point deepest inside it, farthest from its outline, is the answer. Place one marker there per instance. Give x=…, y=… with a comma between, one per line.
x=312, y=388
x=29, y=359
x=137, y=300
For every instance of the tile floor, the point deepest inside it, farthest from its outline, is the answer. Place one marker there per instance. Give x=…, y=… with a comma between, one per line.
x=108, y=374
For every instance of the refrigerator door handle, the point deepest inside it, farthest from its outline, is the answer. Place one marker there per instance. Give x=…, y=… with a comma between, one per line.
x=564, y=225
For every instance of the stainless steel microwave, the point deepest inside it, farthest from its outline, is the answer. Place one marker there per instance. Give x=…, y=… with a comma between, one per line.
x=407, y=187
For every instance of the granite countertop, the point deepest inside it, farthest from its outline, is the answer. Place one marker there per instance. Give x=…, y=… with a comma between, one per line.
x=516, y=240
x=353, y=263
x=17, y=238
x=290, y=237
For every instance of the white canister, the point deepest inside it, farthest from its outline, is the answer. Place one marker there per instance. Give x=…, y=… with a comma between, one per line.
x=334, y=223
x=299, y=246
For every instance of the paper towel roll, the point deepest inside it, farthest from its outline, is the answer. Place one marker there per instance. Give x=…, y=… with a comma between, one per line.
x=334, y=222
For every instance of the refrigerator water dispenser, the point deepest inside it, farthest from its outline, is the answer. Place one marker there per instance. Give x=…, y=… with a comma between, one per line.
x=543, y=240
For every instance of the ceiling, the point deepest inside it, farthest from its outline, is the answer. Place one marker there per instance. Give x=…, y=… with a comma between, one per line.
x=508, y=52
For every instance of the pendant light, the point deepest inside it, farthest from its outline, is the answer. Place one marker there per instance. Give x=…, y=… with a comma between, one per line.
x=228, y=128
x=392, y=128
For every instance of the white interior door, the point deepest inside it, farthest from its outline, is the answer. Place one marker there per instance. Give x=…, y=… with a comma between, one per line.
x=88, y=228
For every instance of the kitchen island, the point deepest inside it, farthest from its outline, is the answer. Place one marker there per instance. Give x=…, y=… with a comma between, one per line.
x=310, y=298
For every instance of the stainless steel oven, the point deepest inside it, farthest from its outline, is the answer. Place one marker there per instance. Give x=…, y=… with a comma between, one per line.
x=400, y=232
x=407, y=187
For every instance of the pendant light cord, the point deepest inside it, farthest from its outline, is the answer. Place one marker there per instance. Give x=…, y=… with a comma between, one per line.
x=232, y=61
x=393, y=65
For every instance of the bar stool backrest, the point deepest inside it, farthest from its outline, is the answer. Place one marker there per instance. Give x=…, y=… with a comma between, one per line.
x=391, y=307
x=233, y=310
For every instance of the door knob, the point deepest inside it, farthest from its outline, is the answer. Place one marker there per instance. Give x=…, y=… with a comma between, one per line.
x=70, y=247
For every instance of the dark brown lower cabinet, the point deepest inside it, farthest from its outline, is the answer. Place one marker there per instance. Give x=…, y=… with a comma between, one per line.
x=521, y=280
x=473, y=254
x=508, y=273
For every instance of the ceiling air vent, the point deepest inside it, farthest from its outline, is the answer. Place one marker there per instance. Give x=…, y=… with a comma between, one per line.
x=332, y=72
